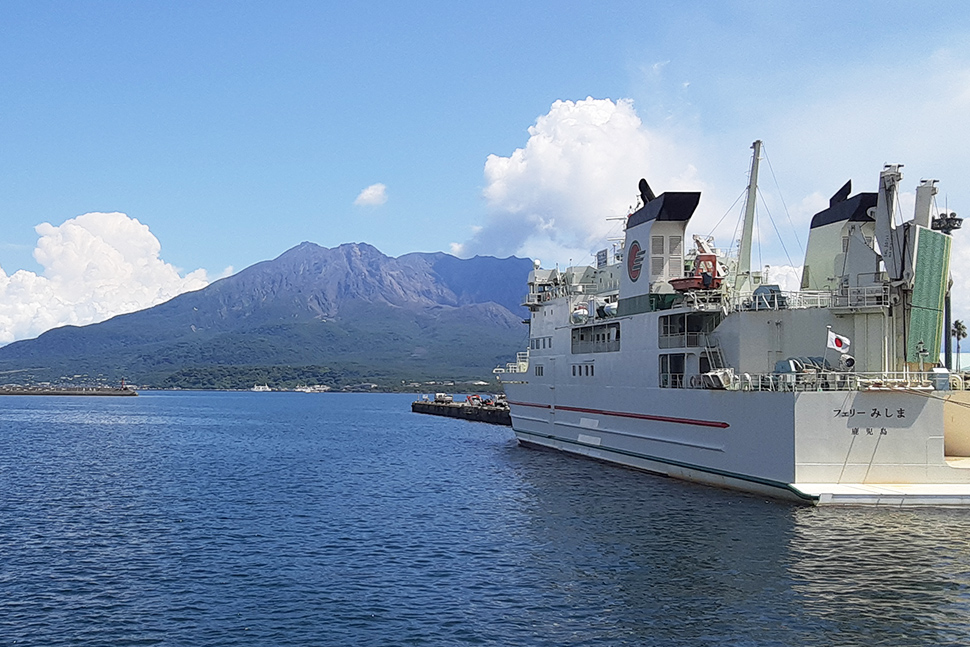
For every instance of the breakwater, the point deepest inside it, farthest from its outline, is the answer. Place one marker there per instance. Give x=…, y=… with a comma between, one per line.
x=66, y=390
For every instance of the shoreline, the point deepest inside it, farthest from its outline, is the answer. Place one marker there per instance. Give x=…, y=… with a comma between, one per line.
x=67, y=390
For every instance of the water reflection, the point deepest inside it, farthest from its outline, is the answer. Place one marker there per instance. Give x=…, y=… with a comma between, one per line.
x=892, y=576
x=338, y=520
x=673, y=563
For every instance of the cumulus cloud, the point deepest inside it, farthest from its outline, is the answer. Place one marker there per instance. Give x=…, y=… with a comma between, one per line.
x=95, y=266
x=373, y=196
x=580, y=166
x=841, y=129
x=580, y=162
x=788, y=277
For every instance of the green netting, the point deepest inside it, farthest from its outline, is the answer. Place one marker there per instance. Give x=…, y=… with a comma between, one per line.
x=929, y=288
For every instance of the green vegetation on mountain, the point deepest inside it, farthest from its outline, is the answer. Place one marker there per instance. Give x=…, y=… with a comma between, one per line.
x=337, y=317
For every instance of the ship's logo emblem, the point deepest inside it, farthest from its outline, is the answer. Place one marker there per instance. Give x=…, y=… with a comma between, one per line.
x=634, y=261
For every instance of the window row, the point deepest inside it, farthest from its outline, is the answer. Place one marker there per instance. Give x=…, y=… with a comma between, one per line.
x=540, y=343
x=596, y=339
x=584, y=370
x=687, y=330
x=673, y=369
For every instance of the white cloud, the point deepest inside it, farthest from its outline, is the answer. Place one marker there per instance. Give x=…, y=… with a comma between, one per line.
x=373, y=196
x=580, y=166
x=909, y=111
x=581, y=161
x=96, y=266
x=787, y=277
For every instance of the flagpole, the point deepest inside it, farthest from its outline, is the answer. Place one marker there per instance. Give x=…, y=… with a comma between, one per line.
x=828, y=329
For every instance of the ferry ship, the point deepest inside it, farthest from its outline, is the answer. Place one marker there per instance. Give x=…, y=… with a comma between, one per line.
x=691, y=365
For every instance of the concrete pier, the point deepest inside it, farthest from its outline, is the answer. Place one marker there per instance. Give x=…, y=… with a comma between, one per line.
x=490, y=414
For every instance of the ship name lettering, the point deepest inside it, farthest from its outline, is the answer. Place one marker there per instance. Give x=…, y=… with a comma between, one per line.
x=870, y=431
x=886, y=412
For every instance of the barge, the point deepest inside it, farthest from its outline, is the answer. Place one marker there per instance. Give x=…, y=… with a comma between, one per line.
x=475, y=409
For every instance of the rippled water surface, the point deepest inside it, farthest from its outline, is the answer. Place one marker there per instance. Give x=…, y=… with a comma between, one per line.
x=295, y=519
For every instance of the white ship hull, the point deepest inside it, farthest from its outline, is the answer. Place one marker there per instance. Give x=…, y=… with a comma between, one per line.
x=797, y=446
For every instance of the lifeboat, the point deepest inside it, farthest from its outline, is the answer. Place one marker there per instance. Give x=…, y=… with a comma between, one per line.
x=704, y=277
x=580, y=315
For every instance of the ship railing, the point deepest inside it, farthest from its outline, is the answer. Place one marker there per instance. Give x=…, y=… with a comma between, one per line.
x=557, y=291
x=582, y=288
x=796, y=300
x=683, y=340
x=871, y=296
x=593, y=346
x=862, y=297
x=838, y=381
x=535, y=298
x=809, y=299
x=852, y=297
x=520, y=365
x=671, y=380
x=705, y=299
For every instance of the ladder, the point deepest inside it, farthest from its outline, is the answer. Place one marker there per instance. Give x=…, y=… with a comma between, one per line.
x=712, y=348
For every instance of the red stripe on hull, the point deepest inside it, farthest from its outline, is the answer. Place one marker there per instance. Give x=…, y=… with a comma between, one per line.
x=635, y=416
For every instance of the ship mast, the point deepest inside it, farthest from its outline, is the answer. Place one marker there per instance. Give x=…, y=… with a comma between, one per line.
x=742, y=279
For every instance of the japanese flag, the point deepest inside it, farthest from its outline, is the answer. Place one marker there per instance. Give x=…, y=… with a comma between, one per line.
x=838, y=342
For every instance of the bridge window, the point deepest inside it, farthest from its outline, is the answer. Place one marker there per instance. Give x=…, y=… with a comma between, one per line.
x=672, y=371
x=603, y=338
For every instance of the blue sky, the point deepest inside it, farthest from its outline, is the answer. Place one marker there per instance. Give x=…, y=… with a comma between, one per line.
x=234, y=131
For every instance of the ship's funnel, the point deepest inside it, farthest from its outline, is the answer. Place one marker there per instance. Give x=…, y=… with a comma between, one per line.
x=646, y=193
x=841, y=194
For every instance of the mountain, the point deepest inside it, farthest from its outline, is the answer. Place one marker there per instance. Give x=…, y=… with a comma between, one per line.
x=338, y=315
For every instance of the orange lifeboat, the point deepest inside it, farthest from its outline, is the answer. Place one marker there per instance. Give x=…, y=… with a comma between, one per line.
x=705, y=276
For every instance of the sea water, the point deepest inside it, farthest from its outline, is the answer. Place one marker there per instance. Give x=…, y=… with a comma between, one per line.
x=344, y=519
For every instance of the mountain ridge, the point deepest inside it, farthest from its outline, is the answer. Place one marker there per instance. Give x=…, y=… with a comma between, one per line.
x=311, y=305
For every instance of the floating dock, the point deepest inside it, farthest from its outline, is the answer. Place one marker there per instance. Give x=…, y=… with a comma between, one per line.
x=477, y=413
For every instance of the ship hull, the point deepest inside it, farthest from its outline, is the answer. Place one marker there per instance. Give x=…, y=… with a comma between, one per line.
x=824, y=447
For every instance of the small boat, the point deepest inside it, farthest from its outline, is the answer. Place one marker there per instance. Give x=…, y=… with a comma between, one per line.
x=261, y=388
